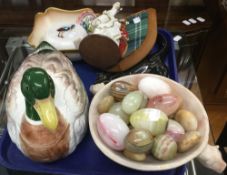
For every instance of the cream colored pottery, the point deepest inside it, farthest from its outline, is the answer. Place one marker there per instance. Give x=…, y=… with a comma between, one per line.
x=190, y=102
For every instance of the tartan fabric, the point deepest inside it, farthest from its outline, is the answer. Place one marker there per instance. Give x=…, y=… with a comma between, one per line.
x=137, y=31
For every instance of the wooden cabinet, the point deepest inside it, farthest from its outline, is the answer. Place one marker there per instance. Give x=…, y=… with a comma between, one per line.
x=212, y=70
x=222, y=89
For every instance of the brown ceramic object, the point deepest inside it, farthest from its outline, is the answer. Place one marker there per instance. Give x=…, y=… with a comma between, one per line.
x=146, y=46
x=99, y=51
x=39, y=143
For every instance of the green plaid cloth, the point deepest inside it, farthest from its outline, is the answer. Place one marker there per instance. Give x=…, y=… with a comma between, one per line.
x=137, y=26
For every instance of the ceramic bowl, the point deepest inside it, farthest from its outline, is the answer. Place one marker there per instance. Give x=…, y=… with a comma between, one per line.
x=190, y=102
x=63, y=29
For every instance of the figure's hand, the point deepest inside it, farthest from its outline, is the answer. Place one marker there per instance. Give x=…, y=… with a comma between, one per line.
x=211, y=158
x=96, y=87
x=115, y=9
x=116, y=5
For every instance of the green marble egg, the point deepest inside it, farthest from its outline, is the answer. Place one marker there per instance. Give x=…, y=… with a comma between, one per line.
x=132, y=101
x=151, y=119
x=116, y=109
x=164, y=147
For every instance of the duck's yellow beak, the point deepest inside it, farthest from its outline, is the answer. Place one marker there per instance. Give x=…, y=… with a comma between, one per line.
x=47, y=112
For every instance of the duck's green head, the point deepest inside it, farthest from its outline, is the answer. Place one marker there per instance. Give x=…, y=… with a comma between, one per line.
x=38, y=89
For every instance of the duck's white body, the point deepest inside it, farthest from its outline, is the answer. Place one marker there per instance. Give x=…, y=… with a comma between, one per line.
x=70, y=101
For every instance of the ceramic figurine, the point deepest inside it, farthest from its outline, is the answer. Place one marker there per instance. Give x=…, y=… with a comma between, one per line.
x=107, y=24
x=211, y=158
x=129, y=39
x=96, y=87
x=118, y=44
x=46, y=107
x=64, y=29
x=104, y=38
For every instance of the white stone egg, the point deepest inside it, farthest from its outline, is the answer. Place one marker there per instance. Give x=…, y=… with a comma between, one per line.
x=153, y=86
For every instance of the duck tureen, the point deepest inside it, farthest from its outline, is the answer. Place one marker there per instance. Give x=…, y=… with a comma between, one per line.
x=46, y=107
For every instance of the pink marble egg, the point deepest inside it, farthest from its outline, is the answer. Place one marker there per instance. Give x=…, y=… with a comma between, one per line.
x=175, y=130
x=167, y=103
x=112, y=130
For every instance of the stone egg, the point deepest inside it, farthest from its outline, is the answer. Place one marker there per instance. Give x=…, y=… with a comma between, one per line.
x=168, y=103
x=164, y=147
x=151, y=119
x=138, y=141
x=175, y=130
x=116, y=109
x=144, y=101
x=134, y=156
x=189, y=140
x=153, y=86
x=187, y=119
x=132, y=102
x=112, y=130
x=105, y=104
x=119, y=89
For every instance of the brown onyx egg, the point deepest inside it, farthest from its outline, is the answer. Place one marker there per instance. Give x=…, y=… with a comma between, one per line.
x=189, y=140
x=105, y=104
x=139, y=141
x=134, y=156
x=119, y=89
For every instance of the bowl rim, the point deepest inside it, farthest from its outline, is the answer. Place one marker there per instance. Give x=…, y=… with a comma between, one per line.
x=140, y=165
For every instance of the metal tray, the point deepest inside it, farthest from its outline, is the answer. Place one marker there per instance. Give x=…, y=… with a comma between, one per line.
x=86, y=159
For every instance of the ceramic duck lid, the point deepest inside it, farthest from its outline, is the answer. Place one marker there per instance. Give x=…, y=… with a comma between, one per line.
x=46, y=106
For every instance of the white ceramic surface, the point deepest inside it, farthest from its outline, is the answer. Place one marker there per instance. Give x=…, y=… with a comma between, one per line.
x=70, y=100
x=190, y=102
